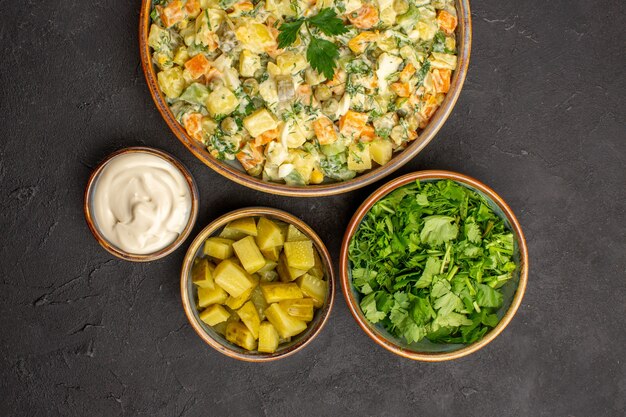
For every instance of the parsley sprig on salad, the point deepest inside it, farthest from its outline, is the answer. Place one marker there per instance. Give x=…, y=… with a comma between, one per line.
x=321, y=53
x=430, y=260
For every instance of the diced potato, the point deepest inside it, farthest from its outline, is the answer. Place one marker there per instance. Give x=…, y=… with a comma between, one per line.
x=158, y=37
x=181, y=56
x=318, y=269
x=171, y=82
x=303, y=162
x=259, y=122
x=238, y=333
x=222, y=101
x=442, y=61
x=259, y=302
x=232, y=278
x=255, y=37
x=381, y=151
x=268, y=338
x=359, y=158
x=280, y=7
x=249, y=63
x=217, y=247
x=291, y=63
x=202, y=274
x=285, y=325
x=295, y=235
x=249, y=254
x=214, y=314
x=272, y=253
x=269, y=234
x=250, y=317
x=278, y=291
x=301, y=309
x=205, y=34
x=206, y=296
x=300, y=254
x=314, y=288
x=287, y=273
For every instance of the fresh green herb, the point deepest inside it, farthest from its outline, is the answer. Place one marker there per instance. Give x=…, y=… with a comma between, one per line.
x=220, y=144
x=421, y=74
x=439, y=43
x=429, y=261
x=321, y=53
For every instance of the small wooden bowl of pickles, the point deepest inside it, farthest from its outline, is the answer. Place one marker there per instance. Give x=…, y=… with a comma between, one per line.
x=257, y=284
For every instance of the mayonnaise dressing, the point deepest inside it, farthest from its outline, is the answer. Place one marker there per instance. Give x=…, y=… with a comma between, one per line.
x=141, y=202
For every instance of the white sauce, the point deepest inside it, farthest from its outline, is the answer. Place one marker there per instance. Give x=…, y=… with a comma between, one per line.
x=141, y=202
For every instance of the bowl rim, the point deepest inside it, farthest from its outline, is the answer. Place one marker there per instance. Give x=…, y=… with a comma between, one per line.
x=364, y=209
x=208, y=231
x=427, y=134
x=114, y=250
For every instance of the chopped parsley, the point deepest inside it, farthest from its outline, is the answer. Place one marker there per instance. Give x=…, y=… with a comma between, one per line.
x=429, y=261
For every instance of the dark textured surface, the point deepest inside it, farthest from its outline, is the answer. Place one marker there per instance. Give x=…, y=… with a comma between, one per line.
x=541, y=120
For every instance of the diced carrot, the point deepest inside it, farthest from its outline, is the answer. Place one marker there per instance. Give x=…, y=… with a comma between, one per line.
x=367, y=134
x=359, y=43
x=441, y=79
x=407, y=72
x=193, y=125
x=401, y=89
x=364, y=18
x=324, y=130
x=273, y=51
x=447, y=21
x=198, y=65
x=266, y=137
x=429, y=107
x=192, y=8
x=172, y=13
x=304, y=94
x=338, y=83
x=250, y=156
x=244, y=6
x=352, y=123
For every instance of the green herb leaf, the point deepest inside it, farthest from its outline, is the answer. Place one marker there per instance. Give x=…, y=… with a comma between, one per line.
x=438, y=229
x=289, y=33
x=328, y=23
x=322, y=56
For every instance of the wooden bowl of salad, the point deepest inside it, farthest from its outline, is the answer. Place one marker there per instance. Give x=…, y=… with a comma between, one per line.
x=305, y=99
x=257, y=284
x=434, y=265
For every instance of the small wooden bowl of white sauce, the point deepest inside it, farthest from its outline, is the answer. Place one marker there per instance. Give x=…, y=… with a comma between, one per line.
x=141, y=204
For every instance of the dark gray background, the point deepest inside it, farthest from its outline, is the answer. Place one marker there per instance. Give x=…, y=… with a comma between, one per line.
x=541, y=120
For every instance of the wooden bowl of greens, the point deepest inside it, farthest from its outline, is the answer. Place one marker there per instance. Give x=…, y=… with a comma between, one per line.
x=434, y=265
x=257, y=284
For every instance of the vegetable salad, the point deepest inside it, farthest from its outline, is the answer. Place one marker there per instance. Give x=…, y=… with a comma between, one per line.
x=304, y=91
